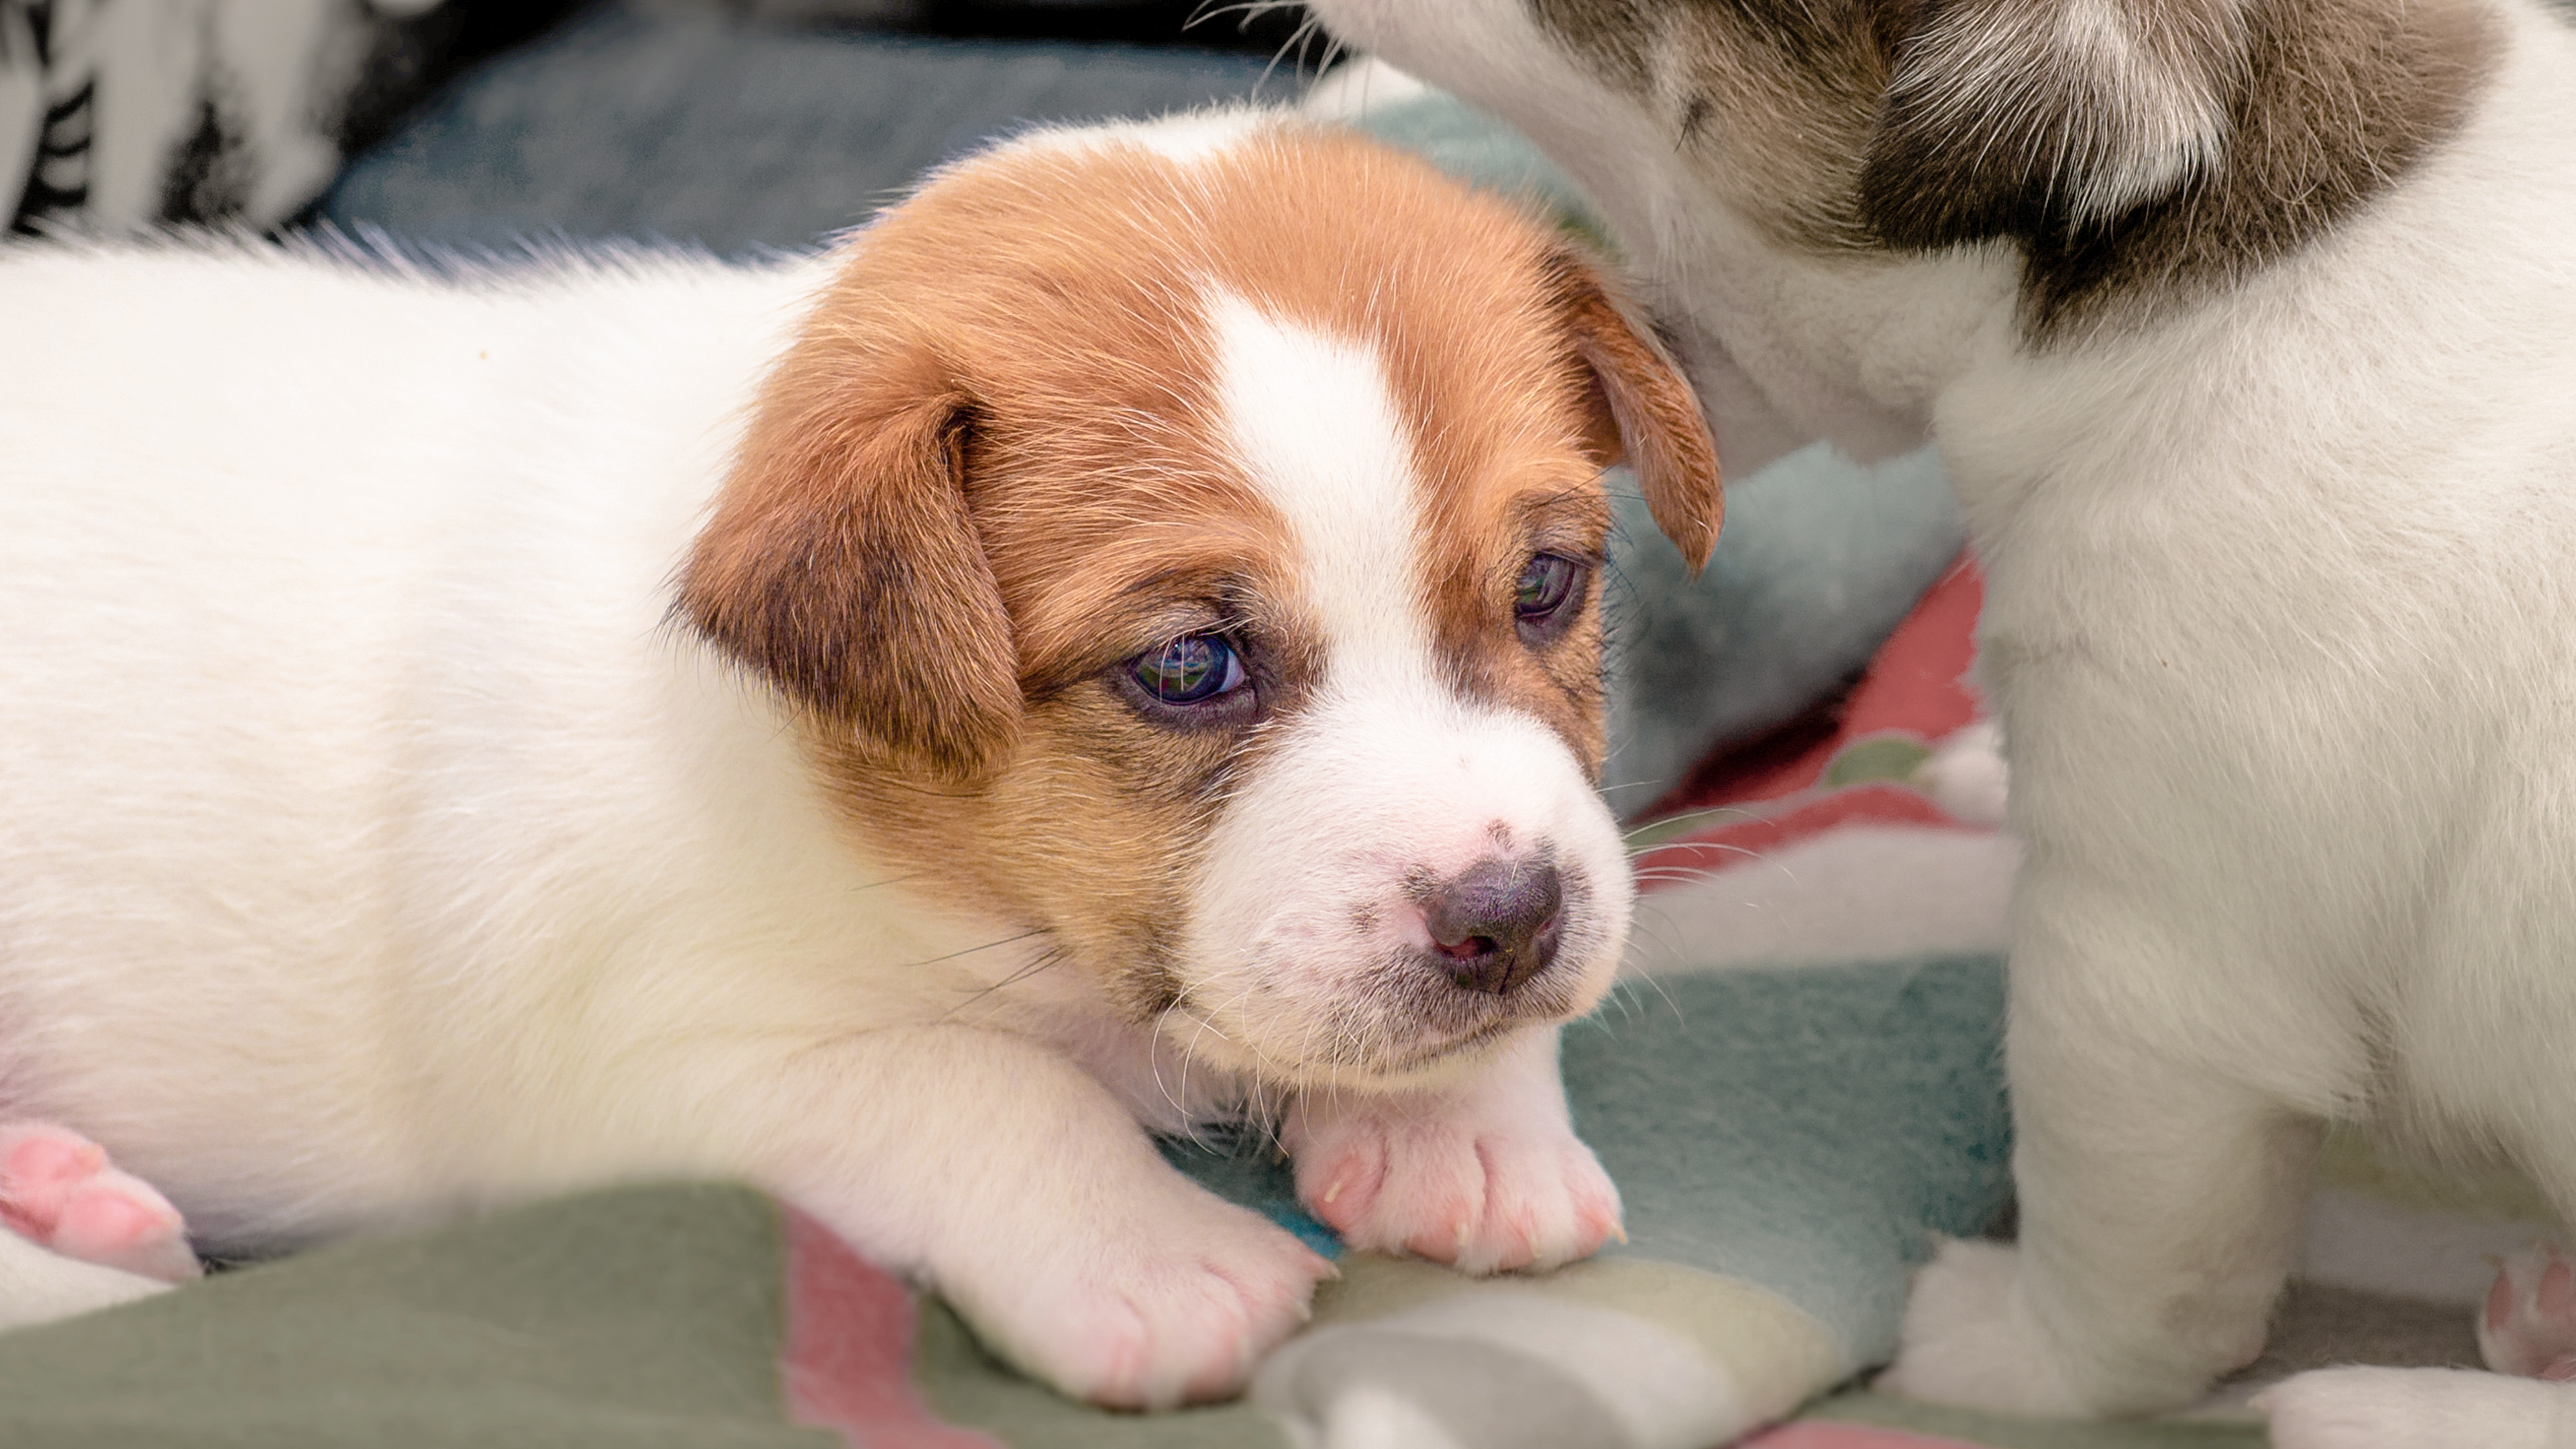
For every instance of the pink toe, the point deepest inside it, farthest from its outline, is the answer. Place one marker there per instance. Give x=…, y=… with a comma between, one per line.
x=48, y=1157
x=2557, y=1289
x=100, y=1224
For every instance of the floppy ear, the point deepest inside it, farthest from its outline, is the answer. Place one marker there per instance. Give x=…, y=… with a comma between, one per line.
x=1645, y=411
x=840, y=564
x=2030, y=118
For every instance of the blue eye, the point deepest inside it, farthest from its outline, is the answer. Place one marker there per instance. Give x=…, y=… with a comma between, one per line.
x=1544, y=587
x=1192, y=669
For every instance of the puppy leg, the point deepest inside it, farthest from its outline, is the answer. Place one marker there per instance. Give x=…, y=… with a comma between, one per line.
x=1020, y=1188
x=1486, y=1175
x=57, y=1188
x=2159, y=1212
x=2527, y=1333
x=2385, y=1408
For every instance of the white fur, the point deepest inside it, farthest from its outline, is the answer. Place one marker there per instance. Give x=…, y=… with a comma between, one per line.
x=1181, y=139
x=377, y=845
x=1857, y=893
x=2146, y=121
x=1348, y=490
x=1388, y=776
x=2276, y=622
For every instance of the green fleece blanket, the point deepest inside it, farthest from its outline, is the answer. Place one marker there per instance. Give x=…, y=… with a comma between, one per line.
x=1783, y=1138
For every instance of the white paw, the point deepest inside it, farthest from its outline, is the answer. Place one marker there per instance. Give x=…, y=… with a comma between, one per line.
x=2529, y=1326
x=1481, y=1191
x=57, y=1188
x=1160, y=1303
x=1967, y=776
x=2385, y=1408
x=1970, y=1339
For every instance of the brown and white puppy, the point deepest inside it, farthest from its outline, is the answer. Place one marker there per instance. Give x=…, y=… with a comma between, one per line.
x=1114, y=644
x=2247, y=329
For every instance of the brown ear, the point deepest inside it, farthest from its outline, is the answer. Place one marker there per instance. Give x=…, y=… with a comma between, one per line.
x=840, y=564
x=1648, y=415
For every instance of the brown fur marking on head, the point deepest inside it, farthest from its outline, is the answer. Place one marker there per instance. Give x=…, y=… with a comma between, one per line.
x=841, y=548
x=1770, y=101
x=1055, y=297
x=1653, y=414
x=2311, y=108
x=2136, y=170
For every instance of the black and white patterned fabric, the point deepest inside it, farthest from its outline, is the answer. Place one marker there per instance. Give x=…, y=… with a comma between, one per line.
x=117, y=114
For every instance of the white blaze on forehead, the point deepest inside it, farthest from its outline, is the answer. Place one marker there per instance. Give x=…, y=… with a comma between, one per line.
x=1306, y=956
x=1315, y=426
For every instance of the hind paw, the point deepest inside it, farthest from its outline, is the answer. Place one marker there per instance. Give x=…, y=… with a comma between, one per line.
x=57, y=1188
x=2529, y=1326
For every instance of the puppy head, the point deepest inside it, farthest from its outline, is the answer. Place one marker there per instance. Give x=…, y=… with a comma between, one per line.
x=1187, y=542
x=2137, y=151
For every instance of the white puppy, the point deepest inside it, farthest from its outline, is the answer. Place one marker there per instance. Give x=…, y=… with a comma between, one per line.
x=1113, y=643
x=2248, y=331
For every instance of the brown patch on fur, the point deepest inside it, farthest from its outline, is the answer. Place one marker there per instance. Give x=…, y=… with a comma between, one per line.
x=2337, y=110
x=1917, y=125
x=2326, y=105
x=1641, y=407
x=967, y=604
x=1771, y=101
x=841, y=538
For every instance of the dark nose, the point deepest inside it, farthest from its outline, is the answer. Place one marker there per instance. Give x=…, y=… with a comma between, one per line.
x=1495, y=925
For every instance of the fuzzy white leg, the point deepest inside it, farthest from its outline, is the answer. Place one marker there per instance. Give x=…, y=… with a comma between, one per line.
x=2418, y=1408
x=1020, y=1188
x=1970, y=1337
x=1486, y=1175
x=2160, y=1210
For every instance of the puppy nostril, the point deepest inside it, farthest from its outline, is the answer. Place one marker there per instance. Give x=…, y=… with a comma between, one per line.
x=1496, y=924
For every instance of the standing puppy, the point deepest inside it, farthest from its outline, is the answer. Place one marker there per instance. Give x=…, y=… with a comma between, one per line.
x=1115, y=642
x=2248, y=330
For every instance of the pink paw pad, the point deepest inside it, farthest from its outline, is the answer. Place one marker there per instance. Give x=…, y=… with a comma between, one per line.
x=58, y=1188
x=2529, y=1326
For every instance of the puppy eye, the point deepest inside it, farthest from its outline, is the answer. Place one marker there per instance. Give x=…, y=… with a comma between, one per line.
x=1546, y=586
x=1192, y=669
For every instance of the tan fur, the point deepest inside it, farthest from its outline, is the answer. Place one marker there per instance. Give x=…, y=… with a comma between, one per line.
x=984, y=478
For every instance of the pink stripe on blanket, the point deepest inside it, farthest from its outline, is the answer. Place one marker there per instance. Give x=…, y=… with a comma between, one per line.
x=1813, y=1434
x=1916, y=688
x=848, y=1357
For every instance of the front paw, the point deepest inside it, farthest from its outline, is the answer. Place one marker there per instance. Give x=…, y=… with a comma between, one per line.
x=2418, y=1408
x=1481, y=1192
x=1969, y=1338
x=2529, y=1326
x=1143, y=1306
